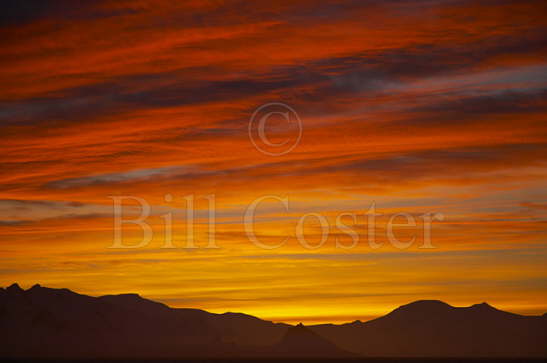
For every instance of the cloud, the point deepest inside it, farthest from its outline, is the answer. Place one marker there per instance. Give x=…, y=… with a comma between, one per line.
x=110, y=178
x=23, y=12
x=497, y=102
x=22, y=212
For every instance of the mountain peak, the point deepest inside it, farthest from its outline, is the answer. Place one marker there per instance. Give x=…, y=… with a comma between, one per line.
x=132, y=295
x=482, y=305
x=428, y=303
x=484, y=308
x=420, y=309
x=428, y=307
x=425, y=306
x=302, y=341
x=35, y=287
x=14, y=288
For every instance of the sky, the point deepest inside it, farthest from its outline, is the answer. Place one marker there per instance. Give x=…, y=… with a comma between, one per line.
x=407, y=107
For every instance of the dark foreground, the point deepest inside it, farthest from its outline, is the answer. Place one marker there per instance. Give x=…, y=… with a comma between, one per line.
x=273, y=360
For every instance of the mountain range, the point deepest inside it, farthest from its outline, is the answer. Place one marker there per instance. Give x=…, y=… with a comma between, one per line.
x=59, y=323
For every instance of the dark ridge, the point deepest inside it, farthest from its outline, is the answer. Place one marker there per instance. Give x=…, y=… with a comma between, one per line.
x=44, y=322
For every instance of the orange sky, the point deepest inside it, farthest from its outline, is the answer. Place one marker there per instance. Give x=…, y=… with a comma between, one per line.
x=417, y=106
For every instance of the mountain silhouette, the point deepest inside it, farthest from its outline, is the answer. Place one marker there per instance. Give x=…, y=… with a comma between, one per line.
x=431, y=328
x=300, y=341
x=59, y=323
x=46, y=322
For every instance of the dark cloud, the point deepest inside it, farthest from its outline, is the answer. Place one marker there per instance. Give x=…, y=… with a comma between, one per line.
x=16, y=12
x=441, y=163
x=9, y=223
x=19, y=204
x=134, y=93
x=18, y=212
x=501, y=102
x=111, y=178
x=427, y=60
